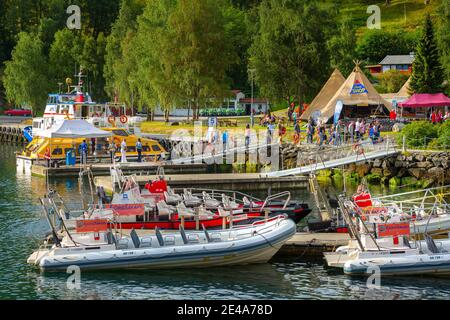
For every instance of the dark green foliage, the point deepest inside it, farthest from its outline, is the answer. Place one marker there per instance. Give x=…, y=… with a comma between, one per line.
x=443, y=37
x=374, y=45
x=427, y=75
x=418, y=134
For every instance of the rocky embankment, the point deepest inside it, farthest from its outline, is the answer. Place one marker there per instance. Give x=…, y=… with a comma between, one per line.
x=419, y=169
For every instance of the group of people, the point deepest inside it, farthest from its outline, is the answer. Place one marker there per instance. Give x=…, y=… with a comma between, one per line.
x=439, y=117
x=112, y=150
x=340, y=133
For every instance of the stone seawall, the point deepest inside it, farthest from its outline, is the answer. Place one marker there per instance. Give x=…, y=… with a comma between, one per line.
x=419, y=169
x=413, y=169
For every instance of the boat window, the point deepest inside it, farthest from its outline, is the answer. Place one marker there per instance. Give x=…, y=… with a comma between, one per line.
x=131, y=149
x=121, y=133
x=146, y=148
x=57, y=151
x=155, y=147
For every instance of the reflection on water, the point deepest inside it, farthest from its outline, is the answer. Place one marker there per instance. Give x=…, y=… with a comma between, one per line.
x=22, y=226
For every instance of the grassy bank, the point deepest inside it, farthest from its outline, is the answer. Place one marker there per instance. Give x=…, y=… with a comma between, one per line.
x=400, y=14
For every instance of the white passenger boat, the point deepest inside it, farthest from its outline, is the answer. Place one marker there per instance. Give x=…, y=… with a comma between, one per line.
x=410, y=261
x=256, y=243
x=370, y=247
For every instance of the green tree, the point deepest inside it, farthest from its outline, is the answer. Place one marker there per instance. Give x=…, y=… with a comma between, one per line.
x=25, y=78
x=342, y=47
x=288, y=52
x=116, y=81
x=427, y=73
x=392, y=81
x=374, y=45
x=65, y=56
x=152, y=84
x=198, y=54
x=443, y=37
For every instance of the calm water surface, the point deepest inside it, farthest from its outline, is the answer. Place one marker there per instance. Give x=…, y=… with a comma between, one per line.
x=22, y=226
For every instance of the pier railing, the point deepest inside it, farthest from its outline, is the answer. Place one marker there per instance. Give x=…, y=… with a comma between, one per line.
x=328, y=157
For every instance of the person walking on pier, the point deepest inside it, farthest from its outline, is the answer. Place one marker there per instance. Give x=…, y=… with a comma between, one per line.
x=225, y=140
x=139, y=149
x=84, y=152
x=247, y=136
x=112, y=149
x=48, y=157
x=123, y=151
x=310, y=131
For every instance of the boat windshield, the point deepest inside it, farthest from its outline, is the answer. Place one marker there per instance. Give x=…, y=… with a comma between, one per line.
x=121, y=133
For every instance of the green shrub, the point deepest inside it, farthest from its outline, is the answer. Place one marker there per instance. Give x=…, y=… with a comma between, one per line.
x=443, y=140
x=418, y=134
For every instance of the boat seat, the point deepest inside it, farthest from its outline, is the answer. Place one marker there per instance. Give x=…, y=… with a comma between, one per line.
x=184, y=211
x=135, y=239
x=431, y=245
x=247, y=202
x=172, y=197
x=208, y=238
x=190, y=200
x=122, y=244
x=210, y=202
x=406, y=242
x=159, y=237
x=163, y=209
x=183, y=234
x=228, y=204
x=223, y=212
x=111, y=238
x=169, y=241
x=203, y=213
x=146, y=243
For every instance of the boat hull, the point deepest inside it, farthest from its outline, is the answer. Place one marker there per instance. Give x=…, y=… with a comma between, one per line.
x=256, y=249
x=438, y=264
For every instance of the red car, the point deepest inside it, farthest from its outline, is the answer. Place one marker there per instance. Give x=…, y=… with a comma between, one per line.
x=18, y=113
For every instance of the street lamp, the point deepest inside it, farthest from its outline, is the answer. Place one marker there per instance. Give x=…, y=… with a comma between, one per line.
x=252, y=116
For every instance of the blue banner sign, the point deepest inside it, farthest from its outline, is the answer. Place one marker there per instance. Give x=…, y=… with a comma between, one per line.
x=358, y=88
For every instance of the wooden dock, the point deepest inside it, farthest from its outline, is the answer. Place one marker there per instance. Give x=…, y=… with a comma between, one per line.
x=232, y=181
x=306, y=244
x=12, y=133
x=102, y=169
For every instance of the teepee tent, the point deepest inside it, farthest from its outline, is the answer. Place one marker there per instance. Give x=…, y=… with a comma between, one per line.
x=359, y=99
x=326, y=93
x=404, y=91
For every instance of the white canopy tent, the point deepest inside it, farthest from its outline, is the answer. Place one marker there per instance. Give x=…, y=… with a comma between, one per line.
x=74, y=129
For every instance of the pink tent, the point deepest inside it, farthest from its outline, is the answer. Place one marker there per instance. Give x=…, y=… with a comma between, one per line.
x=426, y=100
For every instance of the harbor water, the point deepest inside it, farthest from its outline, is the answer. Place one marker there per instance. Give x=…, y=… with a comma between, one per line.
x=22, y=226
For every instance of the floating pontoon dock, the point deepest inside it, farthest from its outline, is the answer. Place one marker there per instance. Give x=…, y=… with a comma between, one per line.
x=233, y=181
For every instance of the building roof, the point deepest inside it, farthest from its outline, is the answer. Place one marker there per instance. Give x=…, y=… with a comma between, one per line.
x=76, y=129
x=357, y=90
x=326, y=93
x=398, y=59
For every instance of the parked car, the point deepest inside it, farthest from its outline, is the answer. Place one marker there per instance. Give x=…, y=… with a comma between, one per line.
x=18, y=112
